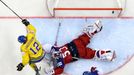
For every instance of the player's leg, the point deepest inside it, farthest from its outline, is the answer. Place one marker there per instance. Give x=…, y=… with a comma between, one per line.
x=86, y=53
x=88, y=32
x=91, y=29
x=34, y=66
x=83, y=40
x=80, y=46
x=104, y=55
x=77, y=46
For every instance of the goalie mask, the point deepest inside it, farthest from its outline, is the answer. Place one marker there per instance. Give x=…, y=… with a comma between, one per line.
x=55, y=52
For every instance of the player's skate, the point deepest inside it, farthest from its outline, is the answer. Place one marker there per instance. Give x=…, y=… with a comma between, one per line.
x=91, y=29
x=49, y=71
x=37, y=71
x=106, y=55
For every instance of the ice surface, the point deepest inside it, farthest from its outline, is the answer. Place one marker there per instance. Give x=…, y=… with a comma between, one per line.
x=117, y=34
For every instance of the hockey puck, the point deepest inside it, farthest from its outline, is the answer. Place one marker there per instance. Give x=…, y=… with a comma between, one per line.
x=112, y=12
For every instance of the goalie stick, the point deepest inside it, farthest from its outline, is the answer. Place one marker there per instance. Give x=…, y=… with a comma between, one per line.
x=50, y=4
x=56, y=39
x=11, y=9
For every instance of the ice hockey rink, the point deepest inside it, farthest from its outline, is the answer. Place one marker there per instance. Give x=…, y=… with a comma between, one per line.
x=117, y=34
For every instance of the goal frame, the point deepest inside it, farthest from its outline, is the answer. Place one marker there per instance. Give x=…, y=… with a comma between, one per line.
x=121, y=7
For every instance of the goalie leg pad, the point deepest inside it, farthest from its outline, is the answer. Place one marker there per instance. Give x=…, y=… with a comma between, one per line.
x=91, y=29
x=107, y=55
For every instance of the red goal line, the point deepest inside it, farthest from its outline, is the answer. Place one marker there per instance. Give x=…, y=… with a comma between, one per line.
x=88, y=9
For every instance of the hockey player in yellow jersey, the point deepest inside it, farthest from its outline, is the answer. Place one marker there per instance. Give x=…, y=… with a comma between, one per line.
x=31, y=49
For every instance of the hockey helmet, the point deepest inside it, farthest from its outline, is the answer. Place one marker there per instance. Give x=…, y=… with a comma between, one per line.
x=22, y=39
x=55, y=52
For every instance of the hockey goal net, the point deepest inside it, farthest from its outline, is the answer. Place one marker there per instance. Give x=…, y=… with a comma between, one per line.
x=86, y=8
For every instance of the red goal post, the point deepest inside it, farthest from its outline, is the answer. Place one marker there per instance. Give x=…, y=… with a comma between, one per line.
x=60, y=11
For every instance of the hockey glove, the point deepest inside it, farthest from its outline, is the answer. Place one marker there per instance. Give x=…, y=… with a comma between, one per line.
x=20, y=67
x=25, y=22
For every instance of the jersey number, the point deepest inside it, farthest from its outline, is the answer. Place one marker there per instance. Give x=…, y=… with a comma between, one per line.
x=36, y=45
x=66, y=52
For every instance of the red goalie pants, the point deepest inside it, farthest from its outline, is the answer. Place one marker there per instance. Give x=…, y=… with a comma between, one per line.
x=81, y=44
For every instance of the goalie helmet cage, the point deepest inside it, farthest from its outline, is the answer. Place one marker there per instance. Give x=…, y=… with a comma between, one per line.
x=86, y=8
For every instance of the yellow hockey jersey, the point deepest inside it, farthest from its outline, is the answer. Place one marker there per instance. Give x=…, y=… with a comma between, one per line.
x=32, y=49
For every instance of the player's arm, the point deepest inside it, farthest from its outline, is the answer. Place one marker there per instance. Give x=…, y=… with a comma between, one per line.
x=25, y=58
x=25, y=61
x=30, y=27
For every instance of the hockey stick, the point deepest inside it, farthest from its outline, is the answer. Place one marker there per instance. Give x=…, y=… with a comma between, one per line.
x=56, y=39
x=51, y=4
x=11, y=10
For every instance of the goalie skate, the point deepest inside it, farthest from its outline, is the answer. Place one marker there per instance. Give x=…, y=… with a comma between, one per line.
x=93, y=28
x=105, y=55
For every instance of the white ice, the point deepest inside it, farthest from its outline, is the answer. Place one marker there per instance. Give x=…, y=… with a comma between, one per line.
x=117, y=35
